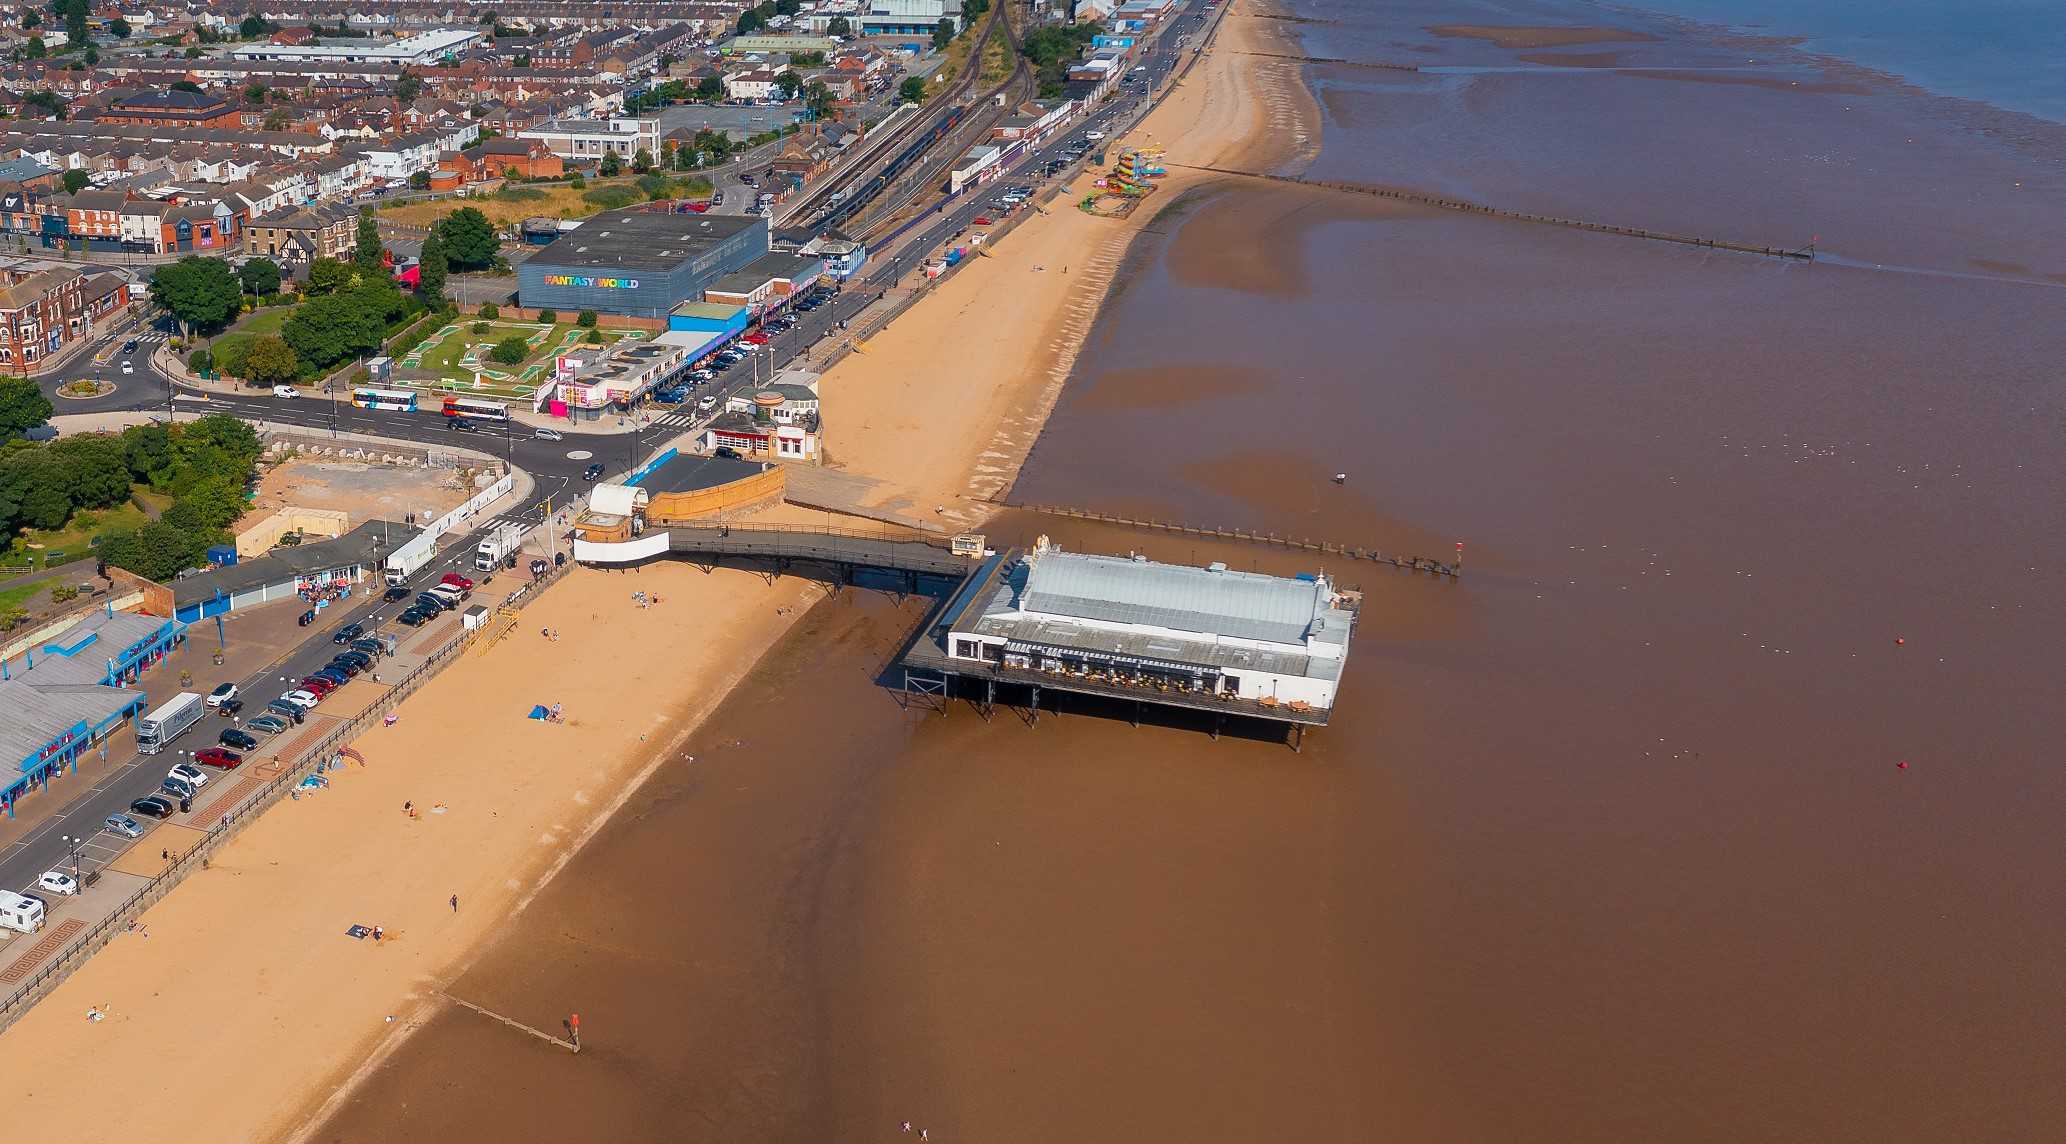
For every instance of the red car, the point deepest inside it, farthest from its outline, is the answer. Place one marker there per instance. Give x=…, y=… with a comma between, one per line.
x=982, y=220
x=457, y=581
x=218, y=757
x=317, y=686
x=756, y=338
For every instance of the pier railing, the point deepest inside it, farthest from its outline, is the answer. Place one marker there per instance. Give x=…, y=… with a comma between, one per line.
x=1271, y=539
x=859, y=548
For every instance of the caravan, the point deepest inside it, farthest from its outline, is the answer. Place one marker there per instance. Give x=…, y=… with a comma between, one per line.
x=20, y=912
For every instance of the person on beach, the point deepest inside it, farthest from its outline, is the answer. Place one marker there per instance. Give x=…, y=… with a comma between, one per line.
x=455, y=903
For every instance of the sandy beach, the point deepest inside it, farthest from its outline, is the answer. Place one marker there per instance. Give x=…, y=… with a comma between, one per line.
x=242, y=992
x=943, y=406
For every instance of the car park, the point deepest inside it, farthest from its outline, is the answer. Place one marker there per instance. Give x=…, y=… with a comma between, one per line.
x=300, y=697
x=57, y=882
x=220, y=757
x=153, y=806
x=546, y=435
x=222, y=691
x=347, y=633
x=123, y=825
x=241, y=740
x=591, y=472
x=398, y=592
x=189, y=774
x=228, y=708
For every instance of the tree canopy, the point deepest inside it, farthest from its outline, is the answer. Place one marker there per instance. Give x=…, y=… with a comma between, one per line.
x=261, y=276
x=202, y=293
x=368, y=253
x=327, y=276
x=511, y=350
x=470, y=242
x=22, y=406
x=271, y=361
x=431, y=270
x=912, y=90
x=75, y=180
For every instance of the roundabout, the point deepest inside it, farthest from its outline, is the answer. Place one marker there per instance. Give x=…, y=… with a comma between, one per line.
x=85, y=389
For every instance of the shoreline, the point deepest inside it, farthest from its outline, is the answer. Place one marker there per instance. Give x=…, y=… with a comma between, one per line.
x=283, y=993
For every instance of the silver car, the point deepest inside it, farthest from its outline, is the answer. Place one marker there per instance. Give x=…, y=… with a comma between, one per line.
x=545, y=434
x=124, y=825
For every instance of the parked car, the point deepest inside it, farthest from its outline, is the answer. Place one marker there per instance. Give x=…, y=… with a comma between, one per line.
x=241, y=740
x=123, y=825
x=178, y=791
x=457, y=581
x=756, y=338
x=307, y=618
x=984, y=220
x=349, y=667
x=189, y=774
x=372, y=648
x=591, y=472
x=546, y=435
x=228, y=708
x=398, y=592
x=285, y=391
x=727, y=452
x=57, y=882
x=222, y=691
x=300, y=697
x=361, y=660
x=347, y=633
x=412, y=618
x=153, y=806
x=291, y=712
x=707, y=402
x=270, y=724
x=430, y=605
x=320, y=684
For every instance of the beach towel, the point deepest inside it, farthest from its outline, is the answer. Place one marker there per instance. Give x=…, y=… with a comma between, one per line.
x=539, y=712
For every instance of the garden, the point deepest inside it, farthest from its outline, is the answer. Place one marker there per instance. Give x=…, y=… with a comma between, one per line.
x=510, y=358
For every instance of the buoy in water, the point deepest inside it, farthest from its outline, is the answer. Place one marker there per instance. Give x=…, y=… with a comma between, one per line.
x=1899, y=642
x=1341, y=478
x=1902, y=765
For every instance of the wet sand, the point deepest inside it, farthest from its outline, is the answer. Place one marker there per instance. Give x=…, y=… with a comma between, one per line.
x=1516, y=37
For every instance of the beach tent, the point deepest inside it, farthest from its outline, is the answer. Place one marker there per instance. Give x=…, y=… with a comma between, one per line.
x=539, y=712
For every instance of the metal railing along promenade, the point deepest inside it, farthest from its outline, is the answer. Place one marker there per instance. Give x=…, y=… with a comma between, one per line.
x=857, y=548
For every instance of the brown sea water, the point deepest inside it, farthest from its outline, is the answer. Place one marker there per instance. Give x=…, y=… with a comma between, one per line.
x=1607, y=842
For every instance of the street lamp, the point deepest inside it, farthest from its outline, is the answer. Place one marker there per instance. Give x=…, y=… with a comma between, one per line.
x=73, y=844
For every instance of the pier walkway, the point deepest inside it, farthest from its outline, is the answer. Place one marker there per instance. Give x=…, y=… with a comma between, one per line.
x=1326, y=547
x=839, y=547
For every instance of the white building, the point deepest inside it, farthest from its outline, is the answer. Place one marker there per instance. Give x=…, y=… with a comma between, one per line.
x=905, y=17
x=1204, y=631
x=421, y=48
x=594, y=138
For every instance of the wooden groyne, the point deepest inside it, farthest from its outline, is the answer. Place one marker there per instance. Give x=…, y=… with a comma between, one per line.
x=1336, y=60
x=1464, y=206
x=1326, y=547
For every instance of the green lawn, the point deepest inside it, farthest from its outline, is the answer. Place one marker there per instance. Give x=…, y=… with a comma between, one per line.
x=266, y=321
x=21, y=594
x=75, y=538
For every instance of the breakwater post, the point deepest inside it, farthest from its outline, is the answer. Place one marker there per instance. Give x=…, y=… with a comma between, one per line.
x=1354, y=552
x=1464, y=206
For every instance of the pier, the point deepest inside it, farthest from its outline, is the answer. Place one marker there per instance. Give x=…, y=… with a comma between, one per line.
x=1465, y=206
x=1453, y=570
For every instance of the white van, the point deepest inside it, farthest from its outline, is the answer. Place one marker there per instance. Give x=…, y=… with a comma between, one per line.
x=19, y=912
x=285, y=391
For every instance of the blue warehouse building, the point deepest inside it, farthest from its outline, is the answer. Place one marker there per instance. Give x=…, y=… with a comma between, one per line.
x=639, y=263
x=63, y=696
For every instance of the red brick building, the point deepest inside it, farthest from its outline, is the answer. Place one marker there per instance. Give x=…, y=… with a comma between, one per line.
x=171, y=108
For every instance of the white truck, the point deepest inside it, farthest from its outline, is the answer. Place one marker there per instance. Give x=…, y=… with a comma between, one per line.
x=403, y=562
x=165, y=724
x=498, y=544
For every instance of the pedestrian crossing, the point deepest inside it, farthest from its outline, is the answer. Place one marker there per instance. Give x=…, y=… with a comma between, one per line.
x=674, y=421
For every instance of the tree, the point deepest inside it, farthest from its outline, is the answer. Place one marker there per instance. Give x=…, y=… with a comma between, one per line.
x=750, y=22
x=790, y=83
x=88, y=58
x=96, y=469
x=34, y=49
x=593, y=337
x=366, y=256
x=419, y=180
x=523, y=60
x=470, y=242
x=912, y=90
x=215, y=504
x=261, y=276
x=511, y=350
x=32, y=19
x=157, y=551
x=943, y=33
x=408, y=87
x=818, y=98
x=201, y=361
x=610, y=165
x=548, y=316
x=327, y=275
x=75, y=180
x=75, y=13
x=642, y=161
x=254, y=26
x=147, y=449
x=490, y=311
x=585, y=319
x=203, y=293
x=709, y=88
x=838, y=26
x=787, y=7
x=278, y=119
x=334, y=327
x=193, y=52
x=271, y=361
x=255, y=93
x=119, y=28
x=22, y=406
x=432, y=269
